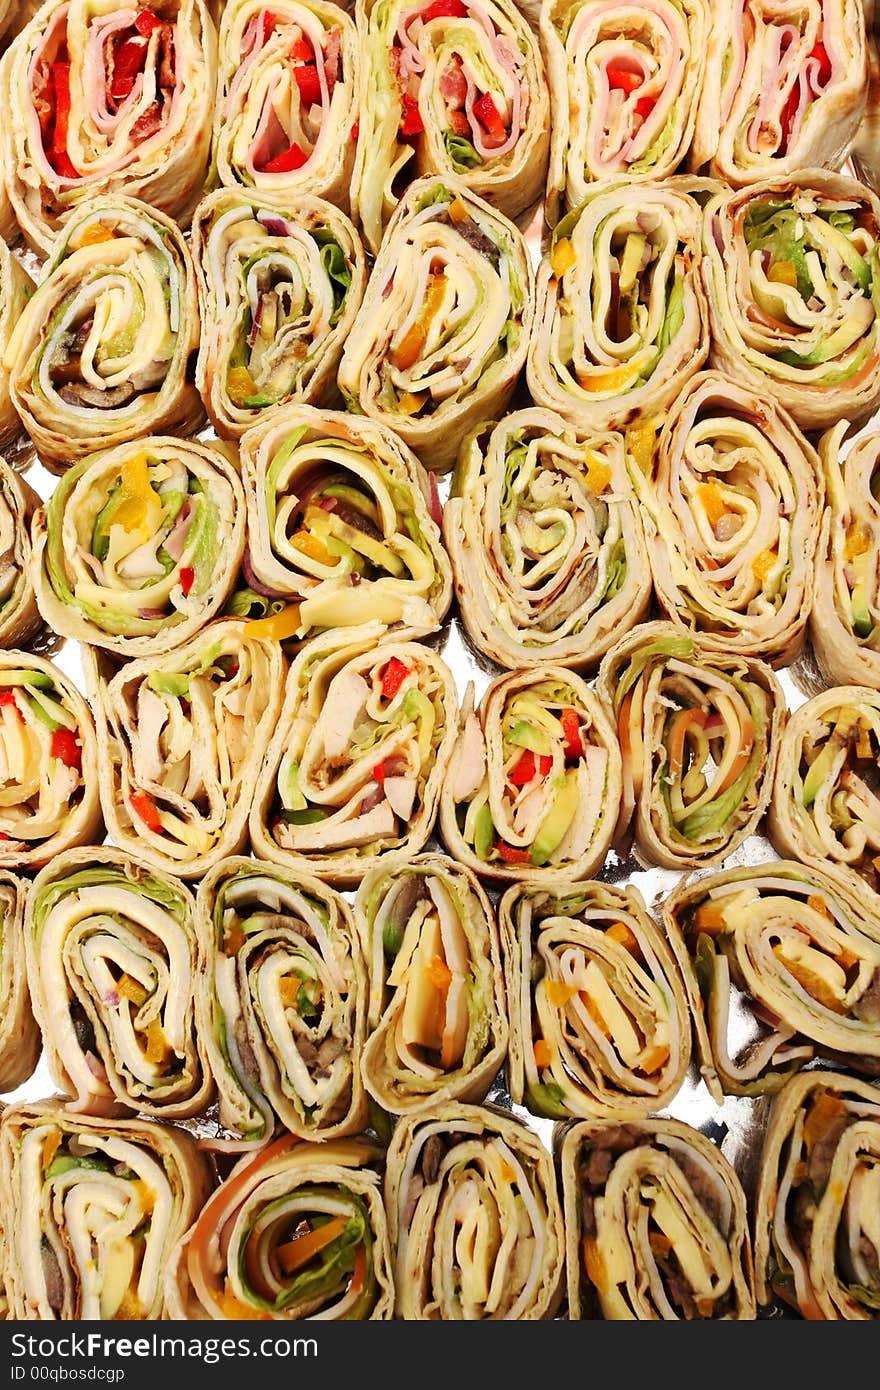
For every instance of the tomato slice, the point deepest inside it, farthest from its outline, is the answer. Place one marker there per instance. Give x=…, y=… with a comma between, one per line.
x=293, y=158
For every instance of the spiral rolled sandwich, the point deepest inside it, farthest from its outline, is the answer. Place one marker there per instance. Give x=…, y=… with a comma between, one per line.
x=437, y=1011
x=138, y=546
x=825, y=808
x=288, y=98
x=19, y=615
x=620, y=322
x=92, y=1210
x=16, y=287
x=625, y=81
x=452, y=88
x=599, y=1020
x=282, y=1004
x=102, y=99
x=475, y=1217
x=49, y=797
x=546, y=541
x=699, y=732
x=20, y=1040
x=656, y=1225
x=533, y=788
x=352, y=775
x=441, y=336
x=182, y=739
x=341, y=526
x=785, y=88
x=101, y=353
x=280, y=282
x=296, y=1231
x=781, y=948
x=792, y=273
x=845, y=617
x=113, y=963
x=816, y=1242
x=731, y=498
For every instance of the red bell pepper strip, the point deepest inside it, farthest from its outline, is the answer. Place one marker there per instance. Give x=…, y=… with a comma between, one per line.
x=441, y=9
x=392, y=677
x=187, y=577
x=379, y=773
x=267, y=24
x=284, y=163
x=511, y=855
x=571, y=728
x=411, y=122
x=820, y=54
x=488, y=115
x=644, y=106
x=61, y=87
x=524, y=771
x=7, y=697
x=355, y=130
x=309, y=83
x=146, y=22
x=128, y=61
x=621, y=79
x=301, y=51
x=64, y=745
x=145, y=807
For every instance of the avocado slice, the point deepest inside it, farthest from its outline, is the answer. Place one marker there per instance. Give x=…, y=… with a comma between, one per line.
x=417, y=706
x=819, y=770
x=553, y=828
x=526, y=735
x=35, y=678
x=860, y=614
x=484, y=832
x=630, y=264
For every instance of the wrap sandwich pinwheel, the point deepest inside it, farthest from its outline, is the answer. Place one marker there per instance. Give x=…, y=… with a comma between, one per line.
x=20, y=1041
x=103, y=98
x=288, y=98
x=620, y=321
x=781, y=966
x=341, y=526
x=731, y=498
x=825, y=808
x=785, y=88
x=19, y=615
x=442, y=333
x=656, y=1224
x=138, y=546
x=282, y=1005
x=546, y=541
x=16, y=287
x=624, y=81
x=101, y=352
x=351, y=778
x=437, y=1012
x=182, y=739
x=49, y=798
x=792, y=273
x=296, y=1231
x=845, y=617
x=816, y=1242
x=451, y=87
x=92, y=1210
x=699, y=732
x=599, y=1020
x=113, y=961
x=533, y=787
x=280, y=282
x=475, y=1217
